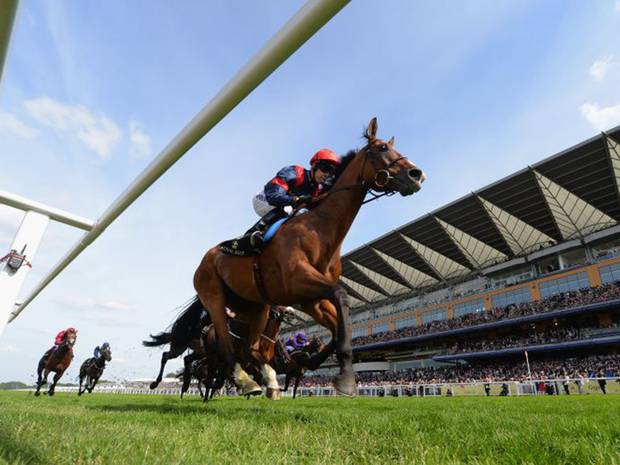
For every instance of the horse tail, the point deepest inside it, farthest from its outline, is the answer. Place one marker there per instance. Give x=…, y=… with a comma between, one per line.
x=184, y=328
x=158, y=339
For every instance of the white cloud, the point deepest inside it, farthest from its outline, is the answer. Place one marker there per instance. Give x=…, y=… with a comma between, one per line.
x=9, y=349
x=140, y=141
x=10, y=124
x=600, y=67
x=90, y=303
x=601, y=118
x=98, y=133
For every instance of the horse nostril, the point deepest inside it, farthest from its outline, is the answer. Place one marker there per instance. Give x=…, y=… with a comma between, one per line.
x=415, y=174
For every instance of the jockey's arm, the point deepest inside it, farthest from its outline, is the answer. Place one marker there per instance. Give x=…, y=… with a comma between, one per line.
x=277, y=191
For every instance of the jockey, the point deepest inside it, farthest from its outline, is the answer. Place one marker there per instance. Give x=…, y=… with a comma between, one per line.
x=98, y=350
x=297, y=342
x=292, y=187
x=60, y=338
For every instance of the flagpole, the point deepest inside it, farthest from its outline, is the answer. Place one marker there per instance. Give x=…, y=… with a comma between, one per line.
x=529, y=372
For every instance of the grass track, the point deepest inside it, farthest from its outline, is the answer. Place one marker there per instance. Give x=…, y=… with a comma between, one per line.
x=116, y=429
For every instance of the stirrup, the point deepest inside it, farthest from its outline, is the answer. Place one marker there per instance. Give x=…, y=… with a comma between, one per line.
x=256, y=239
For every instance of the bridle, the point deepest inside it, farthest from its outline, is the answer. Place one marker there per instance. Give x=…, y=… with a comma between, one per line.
x=382, y=179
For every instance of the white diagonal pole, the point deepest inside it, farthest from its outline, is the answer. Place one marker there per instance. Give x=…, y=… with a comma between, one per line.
x=303, y=25
x=8, y=8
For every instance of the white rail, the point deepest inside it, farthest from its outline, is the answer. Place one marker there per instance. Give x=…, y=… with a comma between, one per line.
x=8, y=8
x=61, y=216
x=303, y=25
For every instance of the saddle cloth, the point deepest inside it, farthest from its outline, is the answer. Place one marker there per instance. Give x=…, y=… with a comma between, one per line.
x=240, y=247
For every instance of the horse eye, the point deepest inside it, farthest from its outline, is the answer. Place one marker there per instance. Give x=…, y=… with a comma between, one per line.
x=383, y=147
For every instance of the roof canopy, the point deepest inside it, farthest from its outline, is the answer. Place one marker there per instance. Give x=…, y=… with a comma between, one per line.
x=567, y=196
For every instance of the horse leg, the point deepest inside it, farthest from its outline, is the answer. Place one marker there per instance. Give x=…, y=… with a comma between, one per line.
x=187, y=372
x=345, y=381
x=210, y=289
x=80, y=392
x=295, y=386
x=57, y=377
x=324, y=313
x=287, y=380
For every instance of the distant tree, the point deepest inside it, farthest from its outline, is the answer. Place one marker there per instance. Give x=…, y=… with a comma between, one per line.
x=13, y=385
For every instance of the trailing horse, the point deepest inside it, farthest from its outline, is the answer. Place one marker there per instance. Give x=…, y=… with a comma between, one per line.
x=92, y=369
x=184, y=333
x=57, y=360
x=295, y=364
x=301, y=264
x=211, y=371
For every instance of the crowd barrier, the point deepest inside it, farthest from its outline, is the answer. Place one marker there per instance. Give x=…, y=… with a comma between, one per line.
x=576, y=386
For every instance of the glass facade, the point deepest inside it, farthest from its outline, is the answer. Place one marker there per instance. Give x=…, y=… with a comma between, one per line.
x=358, y=332
x=473, y=306
x=610, y=273
x=517, y=296
x=381, y=328
x=438, y=314
x=406, y=322
x=572, y=282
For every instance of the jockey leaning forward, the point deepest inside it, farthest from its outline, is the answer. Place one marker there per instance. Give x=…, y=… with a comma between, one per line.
x=102, y=348
x=59, y=339
x=292, y=187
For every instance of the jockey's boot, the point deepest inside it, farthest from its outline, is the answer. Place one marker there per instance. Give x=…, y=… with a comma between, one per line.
x=257, y=231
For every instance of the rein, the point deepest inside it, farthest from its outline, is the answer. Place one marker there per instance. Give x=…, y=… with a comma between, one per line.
x=376, y=182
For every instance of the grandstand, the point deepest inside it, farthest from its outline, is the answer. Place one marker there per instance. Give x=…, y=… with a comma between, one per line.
x=528, y=263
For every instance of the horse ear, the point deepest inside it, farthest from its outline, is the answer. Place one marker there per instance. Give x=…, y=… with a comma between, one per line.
x=391, y=142
x=371, y=132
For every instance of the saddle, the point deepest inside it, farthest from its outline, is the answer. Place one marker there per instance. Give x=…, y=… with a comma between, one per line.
x=241, y=247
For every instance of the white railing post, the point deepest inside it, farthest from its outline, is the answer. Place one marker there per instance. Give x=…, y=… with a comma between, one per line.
x=26, y=242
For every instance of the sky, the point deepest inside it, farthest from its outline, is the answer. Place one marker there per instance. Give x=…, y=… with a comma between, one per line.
x=93, y=91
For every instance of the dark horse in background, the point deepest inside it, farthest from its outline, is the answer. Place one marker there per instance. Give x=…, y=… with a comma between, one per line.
x=295, y=364
x=211, y=370
x=301, y=264
x=92, y=369
x=183, y=334
x=57, y=360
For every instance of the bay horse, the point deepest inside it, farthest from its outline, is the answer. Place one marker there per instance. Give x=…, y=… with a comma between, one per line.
x=184, y=334
x=301, y=264
x=213, y=368
x=57, y=361
x=295, y=364
x=92, y=369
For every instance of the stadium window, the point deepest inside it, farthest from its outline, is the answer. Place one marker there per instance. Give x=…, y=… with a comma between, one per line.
x=572, y=282
x=380, y=328
x=439, y=314
x=359, y=332
x=473, y=306
x=517, y=296
x=610, y=273
x=406, y=322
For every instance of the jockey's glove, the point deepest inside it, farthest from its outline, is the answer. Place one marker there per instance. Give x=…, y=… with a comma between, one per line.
x=302, y=199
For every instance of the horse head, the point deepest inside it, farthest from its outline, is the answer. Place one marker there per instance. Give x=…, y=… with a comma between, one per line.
x=107, y=354
x=70, y=339
x=385, y=169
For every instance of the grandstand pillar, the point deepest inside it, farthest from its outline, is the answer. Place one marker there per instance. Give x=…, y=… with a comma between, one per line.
x=26, y=242
x=535, y=291
x=594, y=276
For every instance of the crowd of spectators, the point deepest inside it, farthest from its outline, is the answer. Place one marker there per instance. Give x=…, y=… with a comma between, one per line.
x=588, y=367
x=548, y=336
x=562, y=300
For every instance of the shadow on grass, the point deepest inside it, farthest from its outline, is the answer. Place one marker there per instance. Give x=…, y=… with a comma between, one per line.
x=14, y=450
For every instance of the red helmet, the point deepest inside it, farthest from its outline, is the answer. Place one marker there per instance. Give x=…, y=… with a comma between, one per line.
x=325, y=155
x=71, y=330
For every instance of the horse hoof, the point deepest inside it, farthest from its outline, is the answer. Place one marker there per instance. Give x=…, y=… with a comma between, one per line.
x=273, y=393
x=153, y=385
x=50, y=393
x=37, y=393
x=252, y=391
x=345, y=385
x=80, y=393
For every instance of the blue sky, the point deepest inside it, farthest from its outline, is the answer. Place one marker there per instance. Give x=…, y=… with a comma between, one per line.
x=91, y=92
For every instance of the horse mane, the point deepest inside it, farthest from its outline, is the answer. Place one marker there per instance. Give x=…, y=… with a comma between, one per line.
x=344, y=162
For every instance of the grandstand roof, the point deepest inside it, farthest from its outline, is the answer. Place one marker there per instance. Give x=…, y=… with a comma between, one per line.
x=566, y=196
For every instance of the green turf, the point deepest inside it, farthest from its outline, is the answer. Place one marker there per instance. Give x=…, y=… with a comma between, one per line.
x=116, y=429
